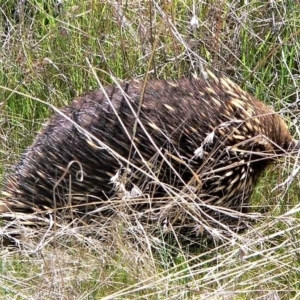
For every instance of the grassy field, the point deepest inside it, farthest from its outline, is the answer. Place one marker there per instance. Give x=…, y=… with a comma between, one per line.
x=52, y=51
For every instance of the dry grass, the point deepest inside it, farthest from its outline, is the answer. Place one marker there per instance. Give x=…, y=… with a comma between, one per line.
x=73, y=263
x=51, y=53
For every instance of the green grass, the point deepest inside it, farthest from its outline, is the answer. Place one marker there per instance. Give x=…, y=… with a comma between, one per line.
x=51, y=53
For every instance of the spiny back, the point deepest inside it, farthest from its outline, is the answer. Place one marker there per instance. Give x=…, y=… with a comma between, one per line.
x=205, y=137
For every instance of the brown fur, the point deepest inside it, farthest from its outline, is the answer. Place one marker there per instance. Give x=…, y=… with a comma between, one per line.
x=202, y=142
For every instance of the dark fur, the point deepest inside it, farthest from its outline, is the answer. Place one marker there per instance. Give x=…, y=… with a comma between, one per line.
x=178, y=118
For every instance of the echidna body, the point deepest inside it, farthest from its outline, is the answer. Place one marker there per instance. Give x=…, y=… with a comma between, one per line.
x=200, y=142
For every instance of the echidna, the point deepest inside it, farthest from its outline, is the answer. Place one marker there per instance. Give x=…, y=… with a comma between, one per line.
x=178, y=153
